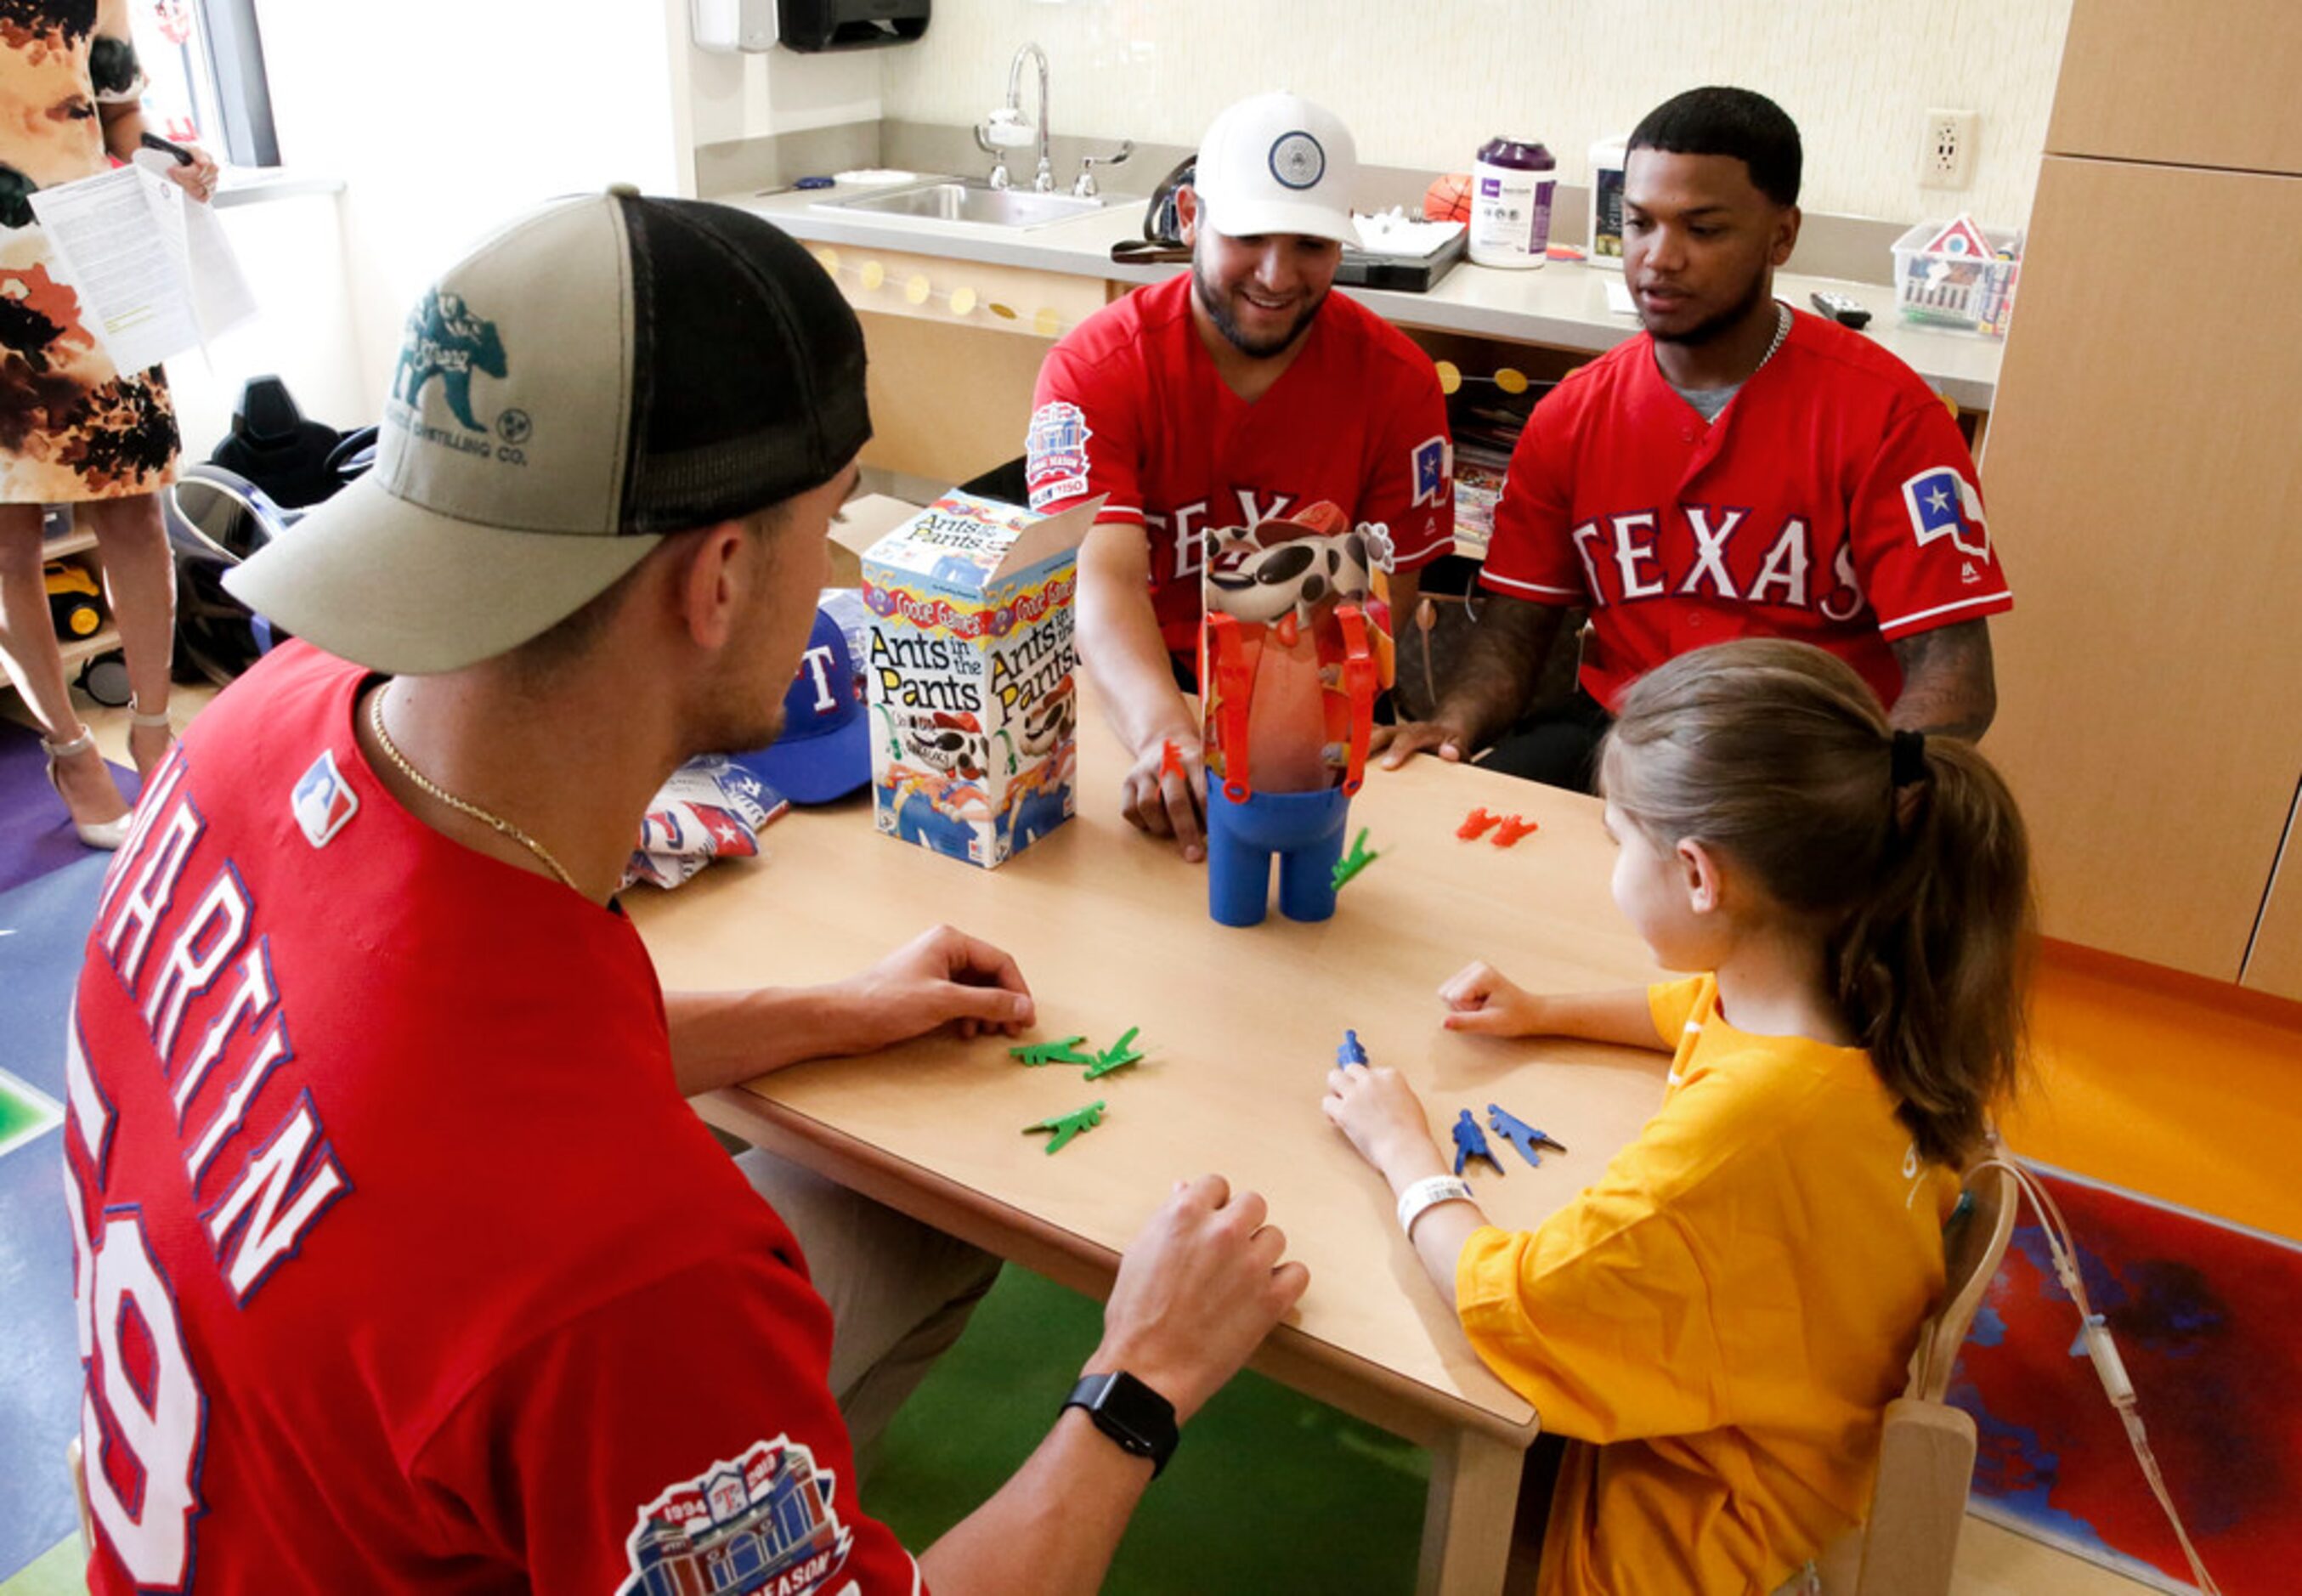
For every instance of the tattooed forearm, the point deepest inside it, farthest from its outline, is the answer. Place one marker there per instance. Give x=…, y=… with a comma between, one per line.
x=1948, y=682
x=1508, y=647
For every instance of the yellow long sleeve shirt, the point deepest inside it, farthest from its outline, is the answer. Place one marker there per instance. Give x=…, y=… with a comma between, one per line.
x=1725, y=1314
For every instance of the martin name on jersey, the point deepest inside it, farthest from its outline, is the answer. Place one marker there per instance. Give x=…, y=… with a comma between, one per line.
x=168, y=936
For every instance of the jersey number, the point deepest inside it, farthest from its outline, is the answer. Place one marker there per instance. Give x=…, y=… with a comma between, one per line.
x=158, y=1419
x=142, y=1413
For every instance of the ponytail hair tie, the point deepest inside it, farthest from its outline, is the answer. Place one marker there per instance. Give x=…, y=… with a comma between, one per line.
x=1909, y=757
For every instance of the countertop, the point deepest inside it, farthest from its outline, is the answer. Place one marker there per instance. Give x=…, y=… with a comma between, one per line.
x=1561, y=306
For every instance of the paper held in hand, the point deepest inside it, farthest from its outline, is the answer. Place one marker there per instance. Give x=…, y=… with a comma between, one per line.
x=154, y=272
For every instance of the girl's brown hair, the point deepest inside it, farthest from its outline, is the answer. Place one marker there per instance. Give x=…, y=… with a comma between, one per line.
x=1914, y=864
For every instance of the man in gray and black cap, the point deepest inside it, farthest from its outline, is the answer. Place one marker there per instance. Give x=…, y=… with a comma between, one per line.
x=377, y=1110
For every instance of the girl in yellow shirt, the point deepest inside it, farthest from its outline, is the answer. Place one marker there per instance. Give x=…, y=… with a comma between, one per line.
x=1719, y=1322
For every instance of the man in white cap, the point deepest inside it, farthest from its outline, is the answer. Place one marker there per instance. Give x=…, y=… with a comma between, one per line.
x=401, y=1263
x=1239, y=391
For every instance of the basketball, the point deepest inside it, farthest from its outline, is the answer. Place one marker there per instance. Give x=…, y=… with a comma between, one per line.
x=1448, y=199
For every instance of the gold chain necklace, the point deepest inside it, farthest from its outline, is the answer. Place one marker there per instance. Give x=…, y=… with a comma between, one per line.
x=461, y=805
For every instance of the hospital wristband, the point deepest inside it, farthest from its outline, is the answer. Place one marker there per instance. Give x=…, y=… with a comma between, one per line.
x=1429, y=1192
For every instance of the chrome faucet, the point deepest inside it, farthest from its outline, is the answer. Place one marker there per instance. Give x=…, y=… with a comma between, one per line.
x=1007, y=127
x=1004, y=128
x=1044, y=181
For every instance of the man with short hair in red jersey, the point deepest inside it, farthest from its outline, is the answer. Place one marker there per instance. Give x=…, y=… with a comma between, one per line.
x=402, y=1262
x=1739, y=469
x=1239, y=391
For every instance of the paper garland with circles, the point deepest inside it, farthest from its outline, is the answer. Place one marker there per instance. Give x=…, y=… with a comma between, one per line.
x=962, y=301
x=1509, y=378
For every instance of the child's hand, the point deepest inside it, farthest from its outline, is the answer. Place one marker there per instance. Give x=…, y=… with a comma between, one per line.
x=1383, y=1118
x=1478, y=999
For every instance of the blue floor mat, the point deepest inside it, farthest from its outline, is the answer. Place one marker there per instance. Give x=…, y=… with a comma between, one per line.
x=44, y=921
x=36, y=833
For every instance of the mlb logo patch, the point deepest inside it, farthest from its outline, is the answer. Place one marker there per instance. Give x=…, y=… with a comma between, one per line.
x=1055, y=454
x=324, y=800
x=1433, y=468
x=1942, y=504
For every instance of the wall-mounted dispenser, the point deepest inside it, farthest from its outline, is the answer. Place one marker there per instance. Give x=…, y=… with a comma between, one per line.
x=813, y=25
x=724, y=27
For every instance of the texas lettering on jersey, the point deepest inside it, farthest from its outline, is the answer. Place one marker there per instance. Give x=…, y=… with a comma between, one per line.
x=174, y=934
x=1703, y=551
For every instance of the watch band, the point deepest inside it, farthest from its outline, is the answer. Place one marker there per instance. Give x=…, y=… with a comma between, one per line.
x=1140, y=1419
x=1429, y=1192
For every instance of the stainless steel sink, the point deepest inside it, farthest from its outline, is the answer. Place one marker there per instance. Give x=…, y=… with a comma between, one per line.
x=957, y=200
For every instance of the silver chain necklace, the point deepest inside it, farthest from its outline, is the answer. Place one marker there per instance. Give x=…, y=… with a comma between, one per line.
x=461, y=805
x=1782, y=330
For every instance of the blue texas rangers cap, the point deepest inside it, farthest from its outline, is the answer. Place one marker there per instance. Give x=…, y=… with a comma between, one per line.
x=825, y=752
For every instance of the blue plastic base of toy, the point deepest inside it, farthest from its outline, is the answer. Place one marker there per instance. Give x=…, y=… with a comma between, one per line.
x=1304, y=830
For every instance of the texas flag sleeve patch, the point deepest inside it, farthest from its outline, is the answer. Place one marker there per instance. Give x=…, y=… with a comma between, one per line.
x=1942, y=504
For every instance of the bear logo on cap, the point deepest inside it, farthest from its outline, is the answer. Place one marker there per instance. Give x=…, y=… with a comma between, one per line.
x=445, y=340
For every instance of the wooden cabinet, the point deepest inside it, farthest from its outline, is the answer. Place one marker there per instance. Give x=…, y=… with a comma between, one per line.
x=2206, y=83
x=954, y=349
x=2146, y=492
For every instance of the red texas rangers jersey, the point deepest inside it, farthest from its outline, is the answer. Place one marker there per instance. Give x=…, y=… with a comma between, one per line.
x=1129, y=403
x=400, y=1264
x=1832, y=502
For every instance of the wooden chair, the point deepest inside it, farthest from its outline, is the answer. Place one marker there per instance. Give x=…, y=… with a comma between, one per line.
x=1908, y=1546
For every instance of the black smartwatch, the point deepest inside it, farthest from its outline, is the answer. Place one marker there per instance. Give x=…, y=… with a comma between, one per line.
x=1139, y=1418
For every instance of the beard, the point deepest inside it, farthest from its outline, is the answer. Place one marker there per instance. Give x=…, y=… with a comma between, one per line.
x=1219, y=312
x=1714, y=326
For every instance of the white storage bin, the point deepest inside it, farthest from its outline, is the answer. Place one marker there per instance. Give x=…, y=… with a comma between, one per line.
x=1957, y=289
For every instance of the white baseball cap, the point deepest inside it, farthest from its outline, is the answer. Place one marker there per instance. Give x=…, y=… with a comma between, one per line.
x=1278, y=163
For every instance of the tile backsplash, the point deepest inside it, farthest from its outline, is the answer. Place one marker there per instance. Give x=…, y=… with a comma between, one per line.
x=1425, y=84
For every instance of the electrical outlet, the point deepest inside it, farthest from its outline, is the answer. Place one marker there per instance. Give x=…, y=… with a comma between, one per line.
x=1946, y=152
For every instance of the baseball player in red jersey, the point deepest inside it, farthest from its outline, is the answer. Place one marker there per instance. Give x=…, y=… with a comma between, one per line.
x=1240, y=390
x=1739, y=469
x=401, y=1264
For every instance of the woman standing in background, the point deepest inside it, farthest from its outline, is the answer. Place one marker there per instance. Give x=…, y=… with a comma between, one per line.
x=73, y=430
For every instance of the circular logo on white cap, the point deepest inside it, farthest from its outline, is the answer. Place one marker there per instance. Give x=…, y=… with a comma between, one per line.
x=1297, y=161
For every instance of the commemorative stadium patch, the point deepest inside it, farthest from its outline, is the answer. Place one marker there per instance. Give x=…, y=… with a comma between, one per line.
x=323, y=801
x=1055, y=453
x=761, y=1524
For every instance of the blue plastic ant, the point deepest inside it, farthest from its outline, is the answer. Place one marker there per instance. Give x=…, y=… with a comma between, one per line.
x=1521, y=1135
x=1471, y=1143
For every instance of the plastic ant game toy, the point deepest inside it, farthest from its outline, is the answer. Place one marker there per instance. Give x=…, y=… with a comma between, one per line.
x=1294, y=648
